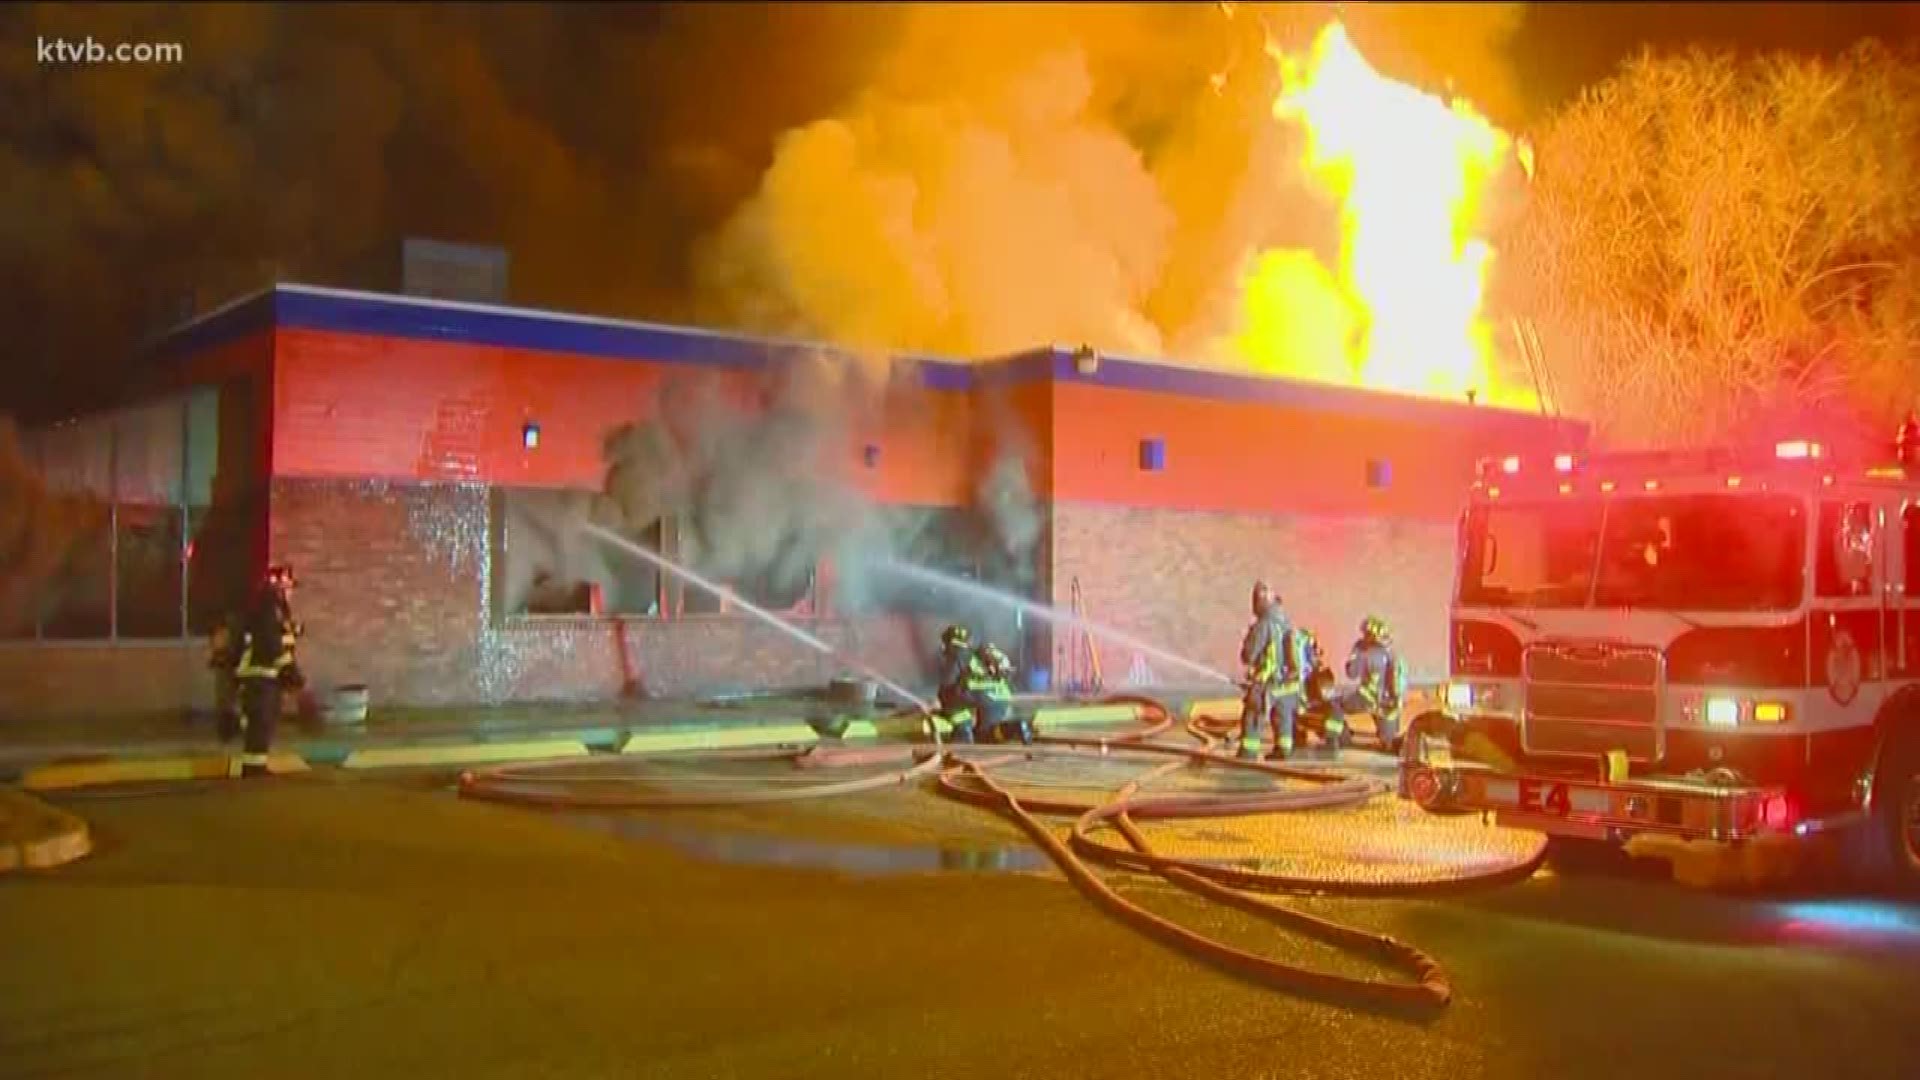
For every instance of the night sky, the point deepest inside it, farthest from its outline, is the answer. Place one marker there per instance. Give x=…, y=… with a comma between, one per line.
x=599, y=143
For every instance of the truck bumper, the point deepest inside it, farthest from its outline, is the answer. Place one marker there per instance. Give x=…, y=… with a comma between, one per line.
x=1596, y=809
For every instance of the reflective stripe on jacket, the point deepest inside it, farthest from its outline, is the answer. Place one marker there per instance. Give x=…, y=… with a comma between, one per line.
x=1382, y=678
x=267, y=641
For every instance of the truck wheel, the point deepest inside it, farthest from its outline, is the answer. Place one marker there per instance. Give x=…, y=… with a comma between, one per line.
x=1885, y=852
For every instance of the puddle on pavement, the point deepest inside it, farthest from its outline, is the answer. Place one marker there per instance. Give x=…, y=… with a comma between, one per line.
x=863, y=859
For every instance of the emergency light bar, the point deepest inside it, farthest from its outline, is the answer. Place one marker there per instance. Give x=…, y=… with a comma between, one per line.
x=1653, y=467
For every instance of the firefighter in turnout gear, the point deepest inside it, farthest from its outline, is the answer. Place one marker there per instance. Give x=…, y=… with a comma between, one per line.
x=990, y=692
x=265, y=665
x=1381, y=682
x=956, y=663
x=1317, y=692
x=1271, y=653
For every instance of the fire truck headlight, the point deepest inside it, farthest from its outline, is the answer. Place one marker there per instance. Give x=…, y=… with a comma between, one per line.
x=1459, y=696
x=1769, y=712
x=1722, y=712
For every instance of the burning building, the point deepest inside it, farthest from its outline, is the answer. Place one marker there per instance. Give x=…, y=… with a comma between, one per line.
x=427, y=464
x=423, y=463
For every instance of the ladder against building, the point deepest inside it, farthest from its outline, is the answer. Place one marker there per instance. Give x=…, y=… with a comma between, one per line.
x=1083, y=652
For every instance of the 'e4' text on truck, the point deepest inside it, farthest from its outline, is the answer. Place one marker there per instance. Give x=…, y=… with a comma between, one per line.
x=1709, y=644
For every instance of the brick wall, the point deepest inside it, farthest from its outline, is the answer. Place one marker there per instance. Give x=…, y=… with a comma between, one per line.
x=85, y=680
x=395, y=583
x=1181, y=579
x=395, y=593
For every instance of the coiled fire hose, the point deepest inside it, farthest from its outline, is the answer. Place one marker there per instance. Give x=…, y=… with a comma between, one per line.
x=964, y=774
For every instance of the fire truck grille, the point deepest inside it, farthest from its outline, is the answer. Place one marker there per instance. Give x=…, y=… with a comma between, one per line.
x=1593, y=665
x=1586, y=699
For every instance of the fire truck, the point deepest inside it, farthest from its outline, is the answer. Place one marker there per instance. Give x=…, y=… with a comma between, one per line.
x=1712, y=644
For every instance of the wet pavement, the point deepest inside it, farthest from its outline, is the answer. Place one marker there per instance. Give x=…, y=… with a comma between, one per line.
x=1384, y=841
x=371, y=925
x=752, y=849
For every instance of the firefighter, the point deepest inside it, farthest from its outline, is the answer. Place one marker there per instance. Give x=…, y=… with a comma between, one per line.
x=1317, y=685
x=956, y=665
x=266, y=665
x=990, y=690
x=1271, y=652
x=1317, y=689
x=1381, y=682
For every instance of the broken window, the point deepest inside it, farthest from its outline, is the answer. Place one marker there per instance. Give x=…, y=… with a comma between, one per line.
x=547, y=565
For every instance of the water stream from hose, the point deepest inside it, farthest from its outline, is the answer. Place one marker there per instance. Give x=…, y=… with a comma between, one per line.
x=734, y=599
x=937, y=579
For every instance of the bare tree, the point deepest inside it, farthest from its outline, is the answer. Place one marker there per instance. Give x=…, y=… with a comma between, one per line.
x=1708, y=240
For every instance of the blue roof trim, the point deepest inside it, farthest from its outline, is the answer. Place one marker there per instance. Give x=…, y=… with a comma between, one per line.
x=1123, y=373
x=384, y=315
x=945, y=375
x=241, y=319
x=514, y=330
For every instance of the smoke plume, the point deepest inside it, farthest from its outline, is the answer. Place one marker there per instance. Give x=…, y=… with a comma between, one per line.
x=1031, y=173
x=962, y=178
x=302, y=142
x=751, y=484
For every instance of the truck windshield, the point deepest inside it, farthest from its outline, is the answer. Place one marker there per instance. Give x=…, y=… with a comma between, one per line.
x=1715, y=552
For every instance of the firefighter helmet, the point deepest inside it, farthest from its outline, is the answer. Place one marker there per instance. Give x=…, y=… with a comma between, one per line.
x=1374, y=628
x=997, y=663
x=955, y=635
x=1263, y=598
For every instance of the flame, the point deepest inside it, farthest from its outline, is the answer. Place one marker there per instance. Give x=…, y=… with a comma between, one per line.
x=1410, y=171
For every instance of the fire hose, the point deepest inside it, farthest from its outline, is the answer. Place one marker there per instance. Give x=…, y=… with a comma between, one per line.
x=963, y=773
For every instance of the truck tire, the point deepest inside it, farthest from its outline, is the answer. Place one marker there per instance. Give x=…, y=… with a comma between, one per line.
x=1884, y=853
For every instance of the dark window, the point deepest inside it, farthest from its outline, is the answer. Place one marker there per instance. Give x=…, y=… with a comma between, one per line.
x=77, y=602
x=1720, y=552
x=151, y=571
x=1714, y=552
x=941, y=539
x=1531, y=554
x=784, y=579
x=549, y=566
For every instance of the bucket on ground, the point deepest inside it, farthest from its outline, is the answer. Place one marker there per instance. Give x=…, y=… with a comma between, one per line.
x=347, y=705
x=856, y=694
